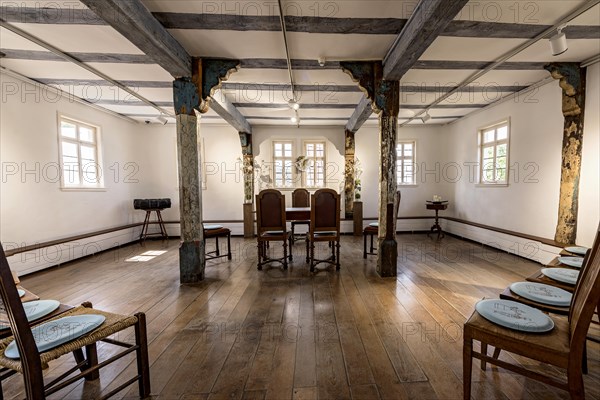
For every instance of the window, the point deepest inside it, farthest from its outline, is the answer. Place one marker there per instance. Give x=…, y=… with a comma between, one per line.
x=493, y=154
x=283, y=161
x=79, y=154
x=314, y=175
x=405, y=162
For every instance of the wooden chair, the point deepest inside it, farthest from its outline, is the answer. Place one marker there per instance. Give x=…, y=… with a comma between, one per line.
x=31, y=361
x=324, y=226
x=217, y=231
x=271, y=226
x=300, y=198
x=372, y=230
x=563, y=347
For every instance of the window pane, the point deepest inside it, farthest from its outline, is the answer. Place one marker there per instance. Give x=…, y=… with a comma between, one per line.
x=87, y=134
x=488, y=136
x=488, y=152
x=502, y=133
x=287, y=150
x=68, y=130
x=501, y=150
x=90, y=174
x=488, y=175
x=70, y=171
x=88, y=153
x=501, y=162
x=501, y=175
x=320, y=150
x=69, y=150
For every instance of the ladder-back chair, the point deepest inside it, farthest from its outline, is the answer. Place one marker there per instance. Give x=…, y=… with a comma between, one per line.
x=31, y=361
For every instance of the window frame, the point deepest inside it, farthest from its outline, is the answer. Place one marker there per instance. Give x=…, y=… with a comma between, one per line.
x=291, y=159
x=400, y=169
x=324, y=159
x=494, y=143
x=97, y=144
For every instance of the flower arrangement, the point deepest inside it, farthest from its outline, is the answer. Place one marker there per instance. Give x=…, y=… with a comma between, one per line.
x=358, y=171
x=301, y=163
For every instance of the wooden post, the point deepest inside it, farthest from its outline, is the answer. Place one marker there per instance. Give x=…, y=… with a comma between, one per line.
x=385, y=100
x=357, y=218
x=349, y=186
x=248, y=172
x=572, y=80
x=191, y=251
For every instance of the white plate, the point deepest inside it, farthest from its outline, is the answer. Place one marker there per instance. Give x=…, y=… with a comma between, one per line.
x=513, y=315
x=211, y=227
x=577, y=250
x=39, y=308
x=21, y=292
x=374, y=224
x=575, y=262
x=545, y=294
x=564, y=275
x=59, y=331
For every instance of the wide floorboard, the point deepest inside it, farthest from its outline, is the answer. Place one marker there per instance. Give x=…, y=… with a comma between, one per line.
x=275, y=334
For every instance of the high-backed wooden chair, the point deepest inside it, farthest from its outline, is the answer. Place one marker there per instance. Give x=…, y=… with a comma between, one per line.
x=271, y=226
x=564, y=346
x=300, y=198
x=372, y=230
x=324, y=226
x=217, y=231
x=31, y=361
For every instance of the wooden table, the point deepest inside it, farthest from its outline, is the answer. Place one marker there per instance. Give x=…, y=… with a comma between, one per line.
x=437, y=206
x=297, y=213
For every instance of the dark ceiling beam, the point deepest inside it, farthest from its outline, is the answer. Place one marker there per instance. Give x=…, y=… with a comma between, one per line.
x=264, y=63
x=133, y=20
x=235, y=22
x=427, y=22
x=229, y=113
x=361, y=114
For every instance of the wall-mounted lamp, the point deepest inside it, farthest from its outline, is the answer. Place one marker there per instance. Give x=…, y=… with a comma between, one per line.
x=161, y=120
x=558, y=42
x=426, y=117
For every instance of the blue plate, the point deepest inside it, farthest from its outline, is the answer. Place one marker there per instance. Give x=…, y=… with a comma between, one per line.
x=577, y=250
x=542, y=293
x=565, y=275
x=39, y=308
x=575, y=262
x=513, y=315
x=59, y=331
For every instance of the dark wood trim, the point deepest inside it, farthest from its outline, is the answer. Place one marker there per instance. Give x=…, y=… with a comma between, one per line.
x=83, y=57
x=238, y=22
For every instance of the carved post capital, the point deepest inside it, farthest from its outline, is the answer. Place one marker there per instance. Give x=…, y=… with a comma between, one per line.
x=384, y=95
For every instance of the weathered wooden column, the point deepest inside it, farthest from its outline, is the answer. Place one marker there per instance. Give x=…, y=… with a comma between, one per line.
x=191, y=250
x=349, y=187
x=385, y=100
x=572, y=81
x=248, y=175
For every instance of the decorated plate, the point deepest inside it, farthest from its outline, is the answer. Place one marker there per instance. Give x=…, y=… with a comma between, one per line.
x=542, y=293
x=59, y=331
x=513, y=315
x=575, y=262
x=564, y=275
x=21, y=292
x=577, y=250
x=39, y=308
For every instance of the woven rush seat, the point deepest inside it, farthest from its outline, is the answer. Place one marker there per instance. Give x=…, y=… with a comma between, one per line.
x=113, y=324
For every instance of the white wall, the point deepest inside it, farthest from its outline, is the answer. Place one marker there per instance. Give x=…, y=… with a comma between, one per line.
x=33, y=207
x=430, y=159
x=529, y=204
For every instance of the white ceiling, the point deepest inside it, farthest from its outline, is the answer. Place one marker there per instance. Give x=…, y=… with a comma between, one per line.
x=94, y=41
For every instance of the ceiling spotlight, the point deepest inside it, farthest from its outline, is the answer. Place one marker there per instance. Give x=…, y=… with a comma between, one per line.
x=558, y=42
x=161, y=120
x=294, y=120
x=321, y=61
x=426, y=117
x=294, y=105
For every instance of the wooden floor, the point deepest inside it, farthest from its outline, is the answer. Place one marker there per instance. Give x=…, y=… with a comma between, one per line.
x=274, y=334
